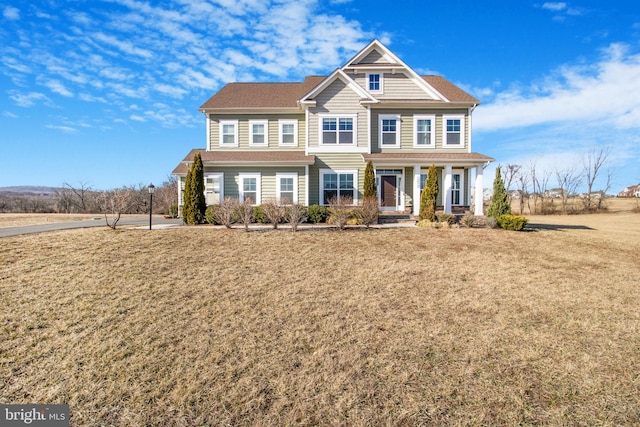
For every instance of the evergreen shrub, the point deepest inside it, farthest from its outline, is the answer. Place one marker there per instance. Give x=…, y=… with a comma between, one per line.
x=512, y=222
x=318, y=213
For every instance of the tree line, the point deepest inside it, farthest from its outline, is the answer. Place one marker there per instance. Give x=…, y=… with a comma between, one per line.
x=82, y=198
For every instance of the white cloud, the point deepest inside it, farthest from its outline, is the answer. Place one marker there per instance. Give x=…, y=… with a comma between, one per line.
x=66, y=129
x=605, y=91
x=11, y=13
x=29, y=99
x=56, y=87
x=10, y=115
x=124, y=46
x=554, y=6
x=137, y=118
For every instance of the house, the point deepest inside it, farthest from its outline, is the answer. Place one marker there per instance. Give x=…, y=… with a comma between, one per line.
x=631, y=191
x=309, y=141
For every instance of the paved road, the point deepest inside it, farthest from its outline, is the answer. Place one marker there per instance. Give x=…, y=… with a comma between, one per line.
x=55, y=226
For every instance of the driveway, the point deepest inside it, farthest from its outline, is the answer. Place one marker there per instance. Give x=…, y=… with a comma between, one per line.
x=43, y=228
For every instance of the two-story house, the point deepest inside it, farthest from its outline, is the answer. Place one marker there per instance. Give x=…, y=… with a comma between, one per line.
x=308, y=142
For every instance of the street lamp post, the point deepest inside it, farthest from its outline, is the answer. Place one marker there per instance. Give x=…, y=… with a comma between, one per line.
x=151, y=190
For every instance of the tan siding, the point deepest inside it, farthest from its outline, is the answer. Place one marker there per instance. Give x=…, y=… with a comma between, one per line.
x=395, y=86
x=406, y=129
x=244, y=134
x=338, y=99
x=335, y=161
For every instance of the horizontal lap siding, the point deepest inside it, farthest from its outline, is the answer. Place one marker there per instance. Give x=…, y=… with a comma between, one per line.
x=338, y=161
x=394, y=86
x=337, y=98
x=244, y=132
x=407, y=129
x=267, y=180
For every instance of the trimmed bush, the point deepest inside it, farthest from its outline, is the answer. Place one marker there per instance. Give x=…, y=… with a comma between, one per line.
x=273, y=212
x=295, y=215
x=512, y=222
x=211, y=214
x=429, y=196
x=490, y=222
x=318, y=213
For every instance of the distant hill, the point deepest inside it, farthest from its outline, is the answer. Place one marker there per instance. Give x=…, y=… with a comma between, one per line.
x=32, y=190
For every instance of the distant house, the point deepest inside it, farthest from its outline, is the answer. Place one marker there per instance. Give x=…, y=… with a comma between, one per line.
x=308, y=142
x=631, y=191
x=554, y=193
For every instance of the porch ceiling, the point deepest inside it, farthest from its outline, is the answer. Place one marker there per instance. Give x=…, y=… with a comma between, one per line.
x=439, y=159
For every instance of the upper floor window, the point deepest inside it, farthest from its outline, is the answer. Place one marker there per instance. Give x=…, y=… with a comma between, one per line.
x=259, y=132
x=374, y=82
x=424, y=131
x=389, y=131
x=453, y=131
x=338, y=130
x=288, y=132
x=229, y=133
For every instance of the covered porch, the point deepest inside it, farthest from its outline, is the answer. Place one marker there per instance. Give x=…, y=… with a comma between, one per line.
x=400, y=178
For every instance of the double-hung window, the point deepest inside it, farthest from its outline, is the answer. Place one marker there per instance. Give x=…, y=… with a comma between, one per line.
x=229, y=133
x=214, y=188
x=342, y=184
x=259, y=132
x=453, y=131
x=249, y=187
x=424, y=131
x=288, y=132
x=374, y=82
x=286, y=188
x=338, y=130
x=389, y=131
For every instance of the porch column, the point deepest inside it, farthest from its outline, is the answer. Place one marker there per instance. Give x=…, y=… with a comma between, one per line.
x=479, y=194
x=416, y=189
x=447, y=189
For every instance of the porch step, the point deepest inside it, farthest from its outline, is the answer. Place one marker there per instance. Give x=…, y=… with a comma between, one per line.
x=395, y=218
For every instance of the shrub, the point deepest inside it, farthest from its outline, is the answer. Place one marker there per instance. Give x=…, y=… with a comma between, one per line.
x=369, y=181
x=469, y=220
x=259, y=215
x=512, y=222
x=340, y=211
x=367, y=214
x=210, y=215
x=226, y=212
x=425, y=223
x=245, y=213
x=491, y=222
x=273, y=212
x=318, y=213
x=194, y=209
x=294, y=215
x=173, y=211
x=449, y=219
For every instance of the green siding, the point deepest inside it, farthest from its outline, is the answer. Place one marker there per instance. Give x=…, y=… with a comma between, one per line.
x=337, y=161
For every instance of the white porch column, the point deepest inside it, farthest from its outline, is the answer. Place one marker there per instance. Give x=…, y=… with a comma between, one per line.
x=416, y=189
x=447, y=189
x=478, y=197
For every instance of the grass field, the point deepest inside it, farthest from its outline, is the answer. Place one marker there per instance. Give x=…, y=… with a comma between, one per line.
x=382, y=327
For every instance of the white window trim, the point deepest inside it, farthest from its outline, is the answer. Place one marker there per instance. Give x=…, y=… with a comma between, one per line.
x=295, y=133
x=445, y=134
x=295, y=185
x=322, y=173
x=462, y=192
x=381, y=90
x=432, y=140
x=241, y=177
x=220, y=176
x=338, y=117
x=265, y=123
x=398, y=120
x=235, y=133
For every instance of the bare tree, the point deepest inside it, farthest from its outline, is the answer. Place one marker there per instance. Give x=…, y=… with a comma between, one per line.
x=522, y=179
x=226, y=212
x=592, y=164
x=605, y=190
x=114, y=203
x=295, y=215
x=510, y=173
x=81, y=196
x=245, y=212
x=274, y=212
x=568, y=180
x=166, y=195
x=539, y=181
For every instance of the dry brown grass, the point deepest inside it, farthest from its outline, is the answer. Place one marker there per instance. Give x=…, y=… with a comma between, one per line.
x=22, y=219
x=386, y=327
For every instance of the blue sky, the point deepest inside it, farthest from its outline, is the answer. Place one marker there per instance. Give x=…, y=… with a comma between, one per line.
x=106, y=93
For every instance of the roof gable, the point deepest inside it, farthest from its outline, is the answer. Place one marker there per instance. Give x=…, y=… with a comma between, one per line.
x=337, y=74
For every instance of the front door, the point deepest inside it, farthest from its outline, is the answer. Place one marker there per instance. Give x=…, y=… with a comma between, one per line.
x=388, y=191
